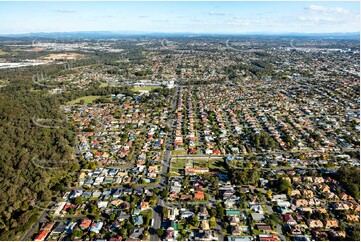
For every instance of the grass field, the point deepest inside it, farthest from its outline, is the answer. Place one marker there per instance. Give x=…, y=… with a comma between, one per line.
x=213, y=164
x=87, y=99
x=103, y=84
x=173, y=173
x=145, y=88
x=3, y=52
x=179, y=152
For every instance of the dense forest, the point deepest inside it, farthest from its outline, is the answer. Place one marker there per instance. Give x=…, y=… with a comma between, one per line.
x=349, y=178
x=22, y=182
x=29, y=152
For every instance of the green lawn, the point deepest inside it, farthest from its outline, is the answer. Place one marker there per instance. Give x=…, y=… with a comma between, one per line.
x=177, y=165
x=87, y=99
x=145, y=88
x=212, y=164
x=106, y=84
x=172, y=173
x=179, y=152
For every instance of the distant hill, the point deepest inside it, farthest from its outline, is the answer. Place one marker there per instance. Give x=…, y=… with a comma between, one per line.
x=109, y=35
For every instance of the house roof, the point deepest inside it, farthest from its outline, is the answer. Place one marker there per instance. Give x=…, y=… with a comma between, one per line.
x=199, y=195
x=257, y=216
x=263, y=227
x=85, y=223
x=41, y=235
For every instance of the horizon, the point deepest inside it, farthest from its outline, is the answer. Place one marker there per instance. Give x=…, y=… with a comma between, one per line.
x=181, y=17
x=120, y=32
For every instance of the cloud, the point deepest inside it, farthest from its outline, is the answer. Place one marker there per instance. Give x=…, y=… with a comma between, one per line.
x=143, y=16
x=317, y=19
x=160, y=20
x=65, y=10
x=239, y=23
x=104, y=17
x=323, y=9
x=317, y=15
x=217, y=13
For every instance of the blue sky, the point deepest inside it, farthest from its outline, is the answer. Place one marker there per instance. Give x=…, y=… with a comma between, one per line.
x=172, y=17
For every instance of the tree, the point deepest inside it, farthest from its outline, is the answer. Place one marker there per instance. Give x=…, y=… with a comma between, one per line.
x=269, y=193
x=160, y=233
x=123, y=232
x=212, y=212
x=71, y=211
x=353, y=234
x=349, y=178
x=129, y=226
x=58, y=187
x=93, y=209
x=146, y=235
x=164, y=210
x=78, y=200
x=220, y=212
x=20, y=140
x=195, y=221
x=212, y=222
x=164, y=193
x=285, y=185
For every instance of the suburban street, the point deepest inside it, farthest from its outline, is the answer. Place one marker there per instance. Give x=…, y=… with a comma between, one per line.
x=35, y=226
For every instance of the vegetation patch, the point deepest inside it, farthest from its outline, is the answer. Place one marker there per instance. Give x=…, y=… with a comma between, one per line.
x=87, y=100
x=145, y=88
x=179, y=152
x=212, y=164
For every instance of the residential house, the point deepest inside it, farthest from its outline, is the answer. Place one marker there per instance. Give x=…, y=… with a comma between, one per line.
x=205, y=225
x=199, y=195
x=330, y=223
x=85, y=224
x=265, y=228
x=144, y=206
x=96, y=227
x=41, y=235
x=314, y=223
x=337, y=235
x=289, y=219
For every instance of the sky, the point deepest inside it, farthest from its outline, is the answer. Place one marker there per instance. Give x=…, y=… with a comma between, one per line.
x=181, y=17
